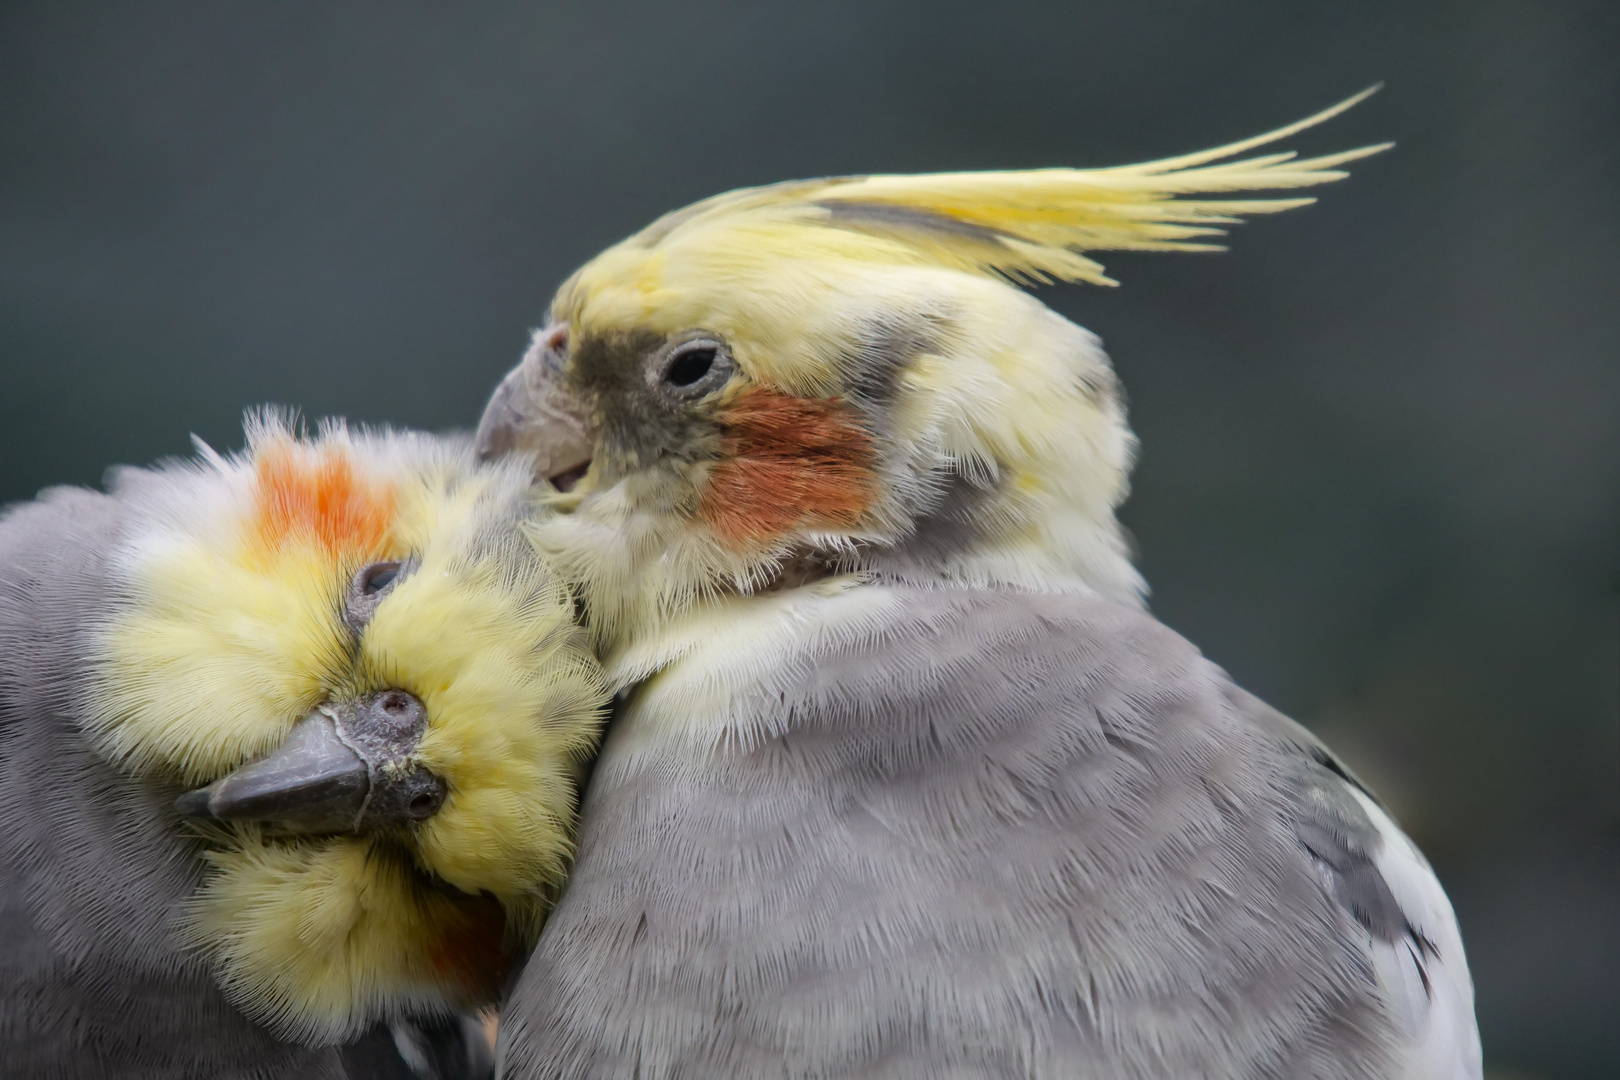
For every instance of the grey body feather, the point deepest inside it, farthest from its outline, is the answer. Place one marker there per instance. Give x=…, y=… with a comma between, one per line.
x=1005, y=835
x=94, y=865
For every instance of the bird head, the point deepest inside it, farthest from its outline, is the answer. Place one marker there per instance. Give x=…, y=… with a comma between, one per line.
x=843, y=375
x=374, y=701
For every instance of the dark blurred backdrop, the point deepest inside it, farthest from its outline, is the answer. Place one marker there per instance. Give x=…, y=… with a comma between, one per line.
x=1381, y=436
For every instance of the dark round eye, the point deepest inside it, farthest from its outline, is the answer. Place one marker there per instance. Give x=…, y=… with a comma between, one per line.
x=691, y=369
x=691, y=365
x=378, y=577
x=369, y=586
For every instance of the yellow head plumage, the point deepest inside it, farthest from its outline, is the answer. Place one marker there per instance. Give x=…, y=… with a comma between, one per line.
x=871, y=366
x=237, y=616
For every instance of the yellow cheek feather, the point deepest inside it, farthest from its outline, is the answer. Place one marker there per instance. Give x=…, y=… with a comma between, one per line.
x=318, y=938
x=512, y=698
x=218, y=661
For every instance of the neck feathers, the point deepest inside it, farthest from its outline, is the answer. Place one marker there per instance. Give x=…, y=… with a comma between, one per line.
x=1007, y=455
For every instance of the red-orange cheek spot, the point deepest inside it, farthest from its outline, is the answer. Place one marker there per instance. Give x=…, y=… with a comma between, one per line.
x=788, y=463
x=316, y=494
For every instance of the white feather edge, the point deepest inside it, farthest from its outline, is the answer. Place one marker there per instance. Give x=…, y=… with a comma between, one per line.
x=1436, y=1006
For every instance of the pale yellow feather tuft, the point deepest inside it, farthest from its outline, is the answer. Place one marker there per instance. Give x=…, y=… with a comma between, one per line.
x=319, y=938
x=514, y=700
x=194, y=687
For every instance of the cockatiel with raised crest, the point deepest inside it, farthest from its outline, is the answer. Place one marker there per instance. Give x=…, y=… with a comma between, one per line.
x=904, y=782
x=289, y=744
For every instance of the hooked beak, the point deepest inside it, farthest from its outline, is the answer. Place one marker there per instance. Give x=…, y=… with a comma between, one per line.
x=533, y=412
x=341, y=769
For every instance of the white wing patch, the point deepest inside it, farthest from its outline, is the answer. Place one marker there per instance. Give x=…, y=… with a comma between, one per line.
x=1424, y=973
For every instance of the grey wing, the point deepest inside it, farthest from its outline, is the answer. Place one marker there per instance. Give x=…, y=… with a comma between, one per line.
x=93, y=982
x=990, y=835
x=1378, y=875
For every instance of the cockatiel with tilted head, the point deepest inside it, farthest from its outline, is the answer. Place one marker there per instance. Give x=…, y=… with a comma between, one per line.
x=904, y=781
x=289, y=744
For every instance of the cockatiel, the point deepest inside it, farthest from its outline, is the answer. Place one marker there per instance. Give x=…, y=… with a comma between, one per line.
x=903, y=781
x=289, y=746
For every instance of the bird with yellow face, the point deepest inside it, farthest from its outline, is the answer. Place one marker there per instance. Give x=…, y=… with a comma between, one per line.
x=904, y=781
x=289, y=746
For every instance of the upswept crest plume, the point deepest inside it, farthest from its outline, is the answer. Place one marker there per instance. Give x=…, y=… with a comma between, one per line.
x=1034, y=225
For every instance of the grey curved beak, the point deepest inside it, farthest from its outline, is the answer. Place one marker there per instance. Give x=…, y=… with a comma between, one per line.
x=341, y=769
x=533, y=412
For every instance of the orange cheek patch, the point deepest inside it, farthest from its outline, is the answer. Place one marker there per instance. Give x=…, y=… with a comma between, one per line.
x=787, y=462
x=314, y=494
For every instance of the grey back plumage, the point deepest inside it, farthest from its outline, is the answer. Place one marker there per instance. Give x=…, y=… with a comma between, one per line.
x=93, y=868
x=1003, y=835
x=94, y=865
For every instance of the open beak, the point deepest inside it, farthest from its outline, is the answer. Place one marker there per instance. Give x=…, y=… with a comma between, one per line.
x=343, y=768
x=532, y=411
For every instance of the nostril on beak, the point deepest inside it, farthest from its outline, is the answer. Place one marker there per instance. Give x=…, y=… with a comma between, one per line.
x=534, y=411
x=425, y=805
x=386, y=726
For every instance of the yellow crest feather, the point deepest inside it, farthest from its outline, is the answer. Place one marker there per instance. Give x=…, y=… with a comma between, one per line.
x=1029, y=225
x=1035, y=223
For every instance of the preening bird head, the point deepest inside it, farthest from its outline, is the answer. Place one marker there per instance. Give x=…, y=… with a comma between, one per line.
x=376, y=699
x=842, y=374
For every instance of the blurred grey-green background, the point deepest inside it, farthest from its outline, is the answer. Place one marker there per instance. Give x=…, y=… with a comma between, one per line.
x=1380, y=478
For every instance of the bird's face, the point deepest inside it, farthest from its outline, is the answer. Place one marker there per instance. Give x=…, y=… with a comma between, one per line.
x=733, y=411
x=373, y=696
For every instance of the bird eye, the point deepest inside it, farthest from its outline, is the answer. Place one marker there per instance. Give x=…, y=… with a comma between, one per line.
x=368, y=588
x=692, y=368
x=377, y=577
